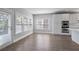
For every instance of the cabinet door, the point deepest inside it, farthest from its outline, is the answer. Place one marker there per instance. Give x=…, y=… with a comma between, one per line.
x=74, y=20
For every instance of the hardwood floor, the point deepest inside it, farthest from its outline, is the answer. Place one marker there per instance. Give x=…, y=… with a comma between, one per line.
x=44, y=42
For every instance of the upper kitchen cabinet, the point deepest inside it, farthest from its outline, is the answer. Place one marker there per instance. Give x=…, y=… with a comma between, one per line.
x=74, y=20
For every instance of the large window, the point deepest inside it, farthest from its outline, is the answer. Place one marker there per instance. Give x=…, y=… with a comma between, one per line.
x=3, y=24
x=30, y=24
x=18, y=24
x=23, y=24
x=42, y=24
x=5, y=28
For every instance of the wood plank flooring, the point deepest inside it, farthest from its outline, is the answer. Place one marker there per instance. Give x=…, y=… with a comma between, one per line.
x=44, y=42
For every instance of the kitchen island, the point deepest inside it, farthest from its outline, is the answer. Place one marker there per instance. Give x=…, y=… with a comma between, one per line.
x=75, y=34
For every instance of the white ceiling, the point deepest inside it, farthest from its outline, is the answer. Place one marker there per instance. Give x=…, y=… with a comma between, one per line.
x=49, y=10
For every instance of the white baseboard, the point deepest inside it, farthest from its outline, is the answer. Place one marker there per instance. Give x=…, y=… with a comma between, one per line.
x=61, y=33
x=44, y=32
x=5, y=45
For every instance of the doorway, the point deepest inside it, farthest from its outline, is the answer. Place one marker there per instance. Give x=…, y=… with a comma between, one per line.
x=42, y=23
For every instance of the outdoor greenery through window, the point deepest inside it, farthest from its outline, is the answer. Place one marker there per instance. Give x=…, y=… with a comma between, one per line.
x=3, y=24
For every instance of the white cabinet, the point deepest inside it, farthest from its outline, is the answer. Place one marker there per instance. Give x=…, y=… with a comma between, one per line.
x=58, y=18
x=74, y=20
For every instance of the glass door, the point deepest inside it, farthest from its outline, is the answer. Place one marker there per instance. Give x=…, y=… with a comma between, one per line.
x=42, y=25
x=5, y=29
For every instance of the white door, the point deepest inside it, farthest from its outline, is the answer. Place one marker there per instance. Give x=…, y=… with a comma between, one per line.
x=42, y=23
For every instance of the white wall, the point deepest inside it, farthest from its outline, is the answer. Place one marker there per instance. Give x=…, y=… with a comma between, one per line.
x=52, y=24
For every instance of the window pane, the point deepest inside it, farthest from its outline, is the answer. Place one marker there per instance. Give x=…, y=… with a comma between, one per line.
x=18, y=20
x=25, y=28
x=18, y=28
x=24, y=20
x=42, y=24
x=25, y=23
x=5, y=30
x=3, y=24
x=18, y=24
